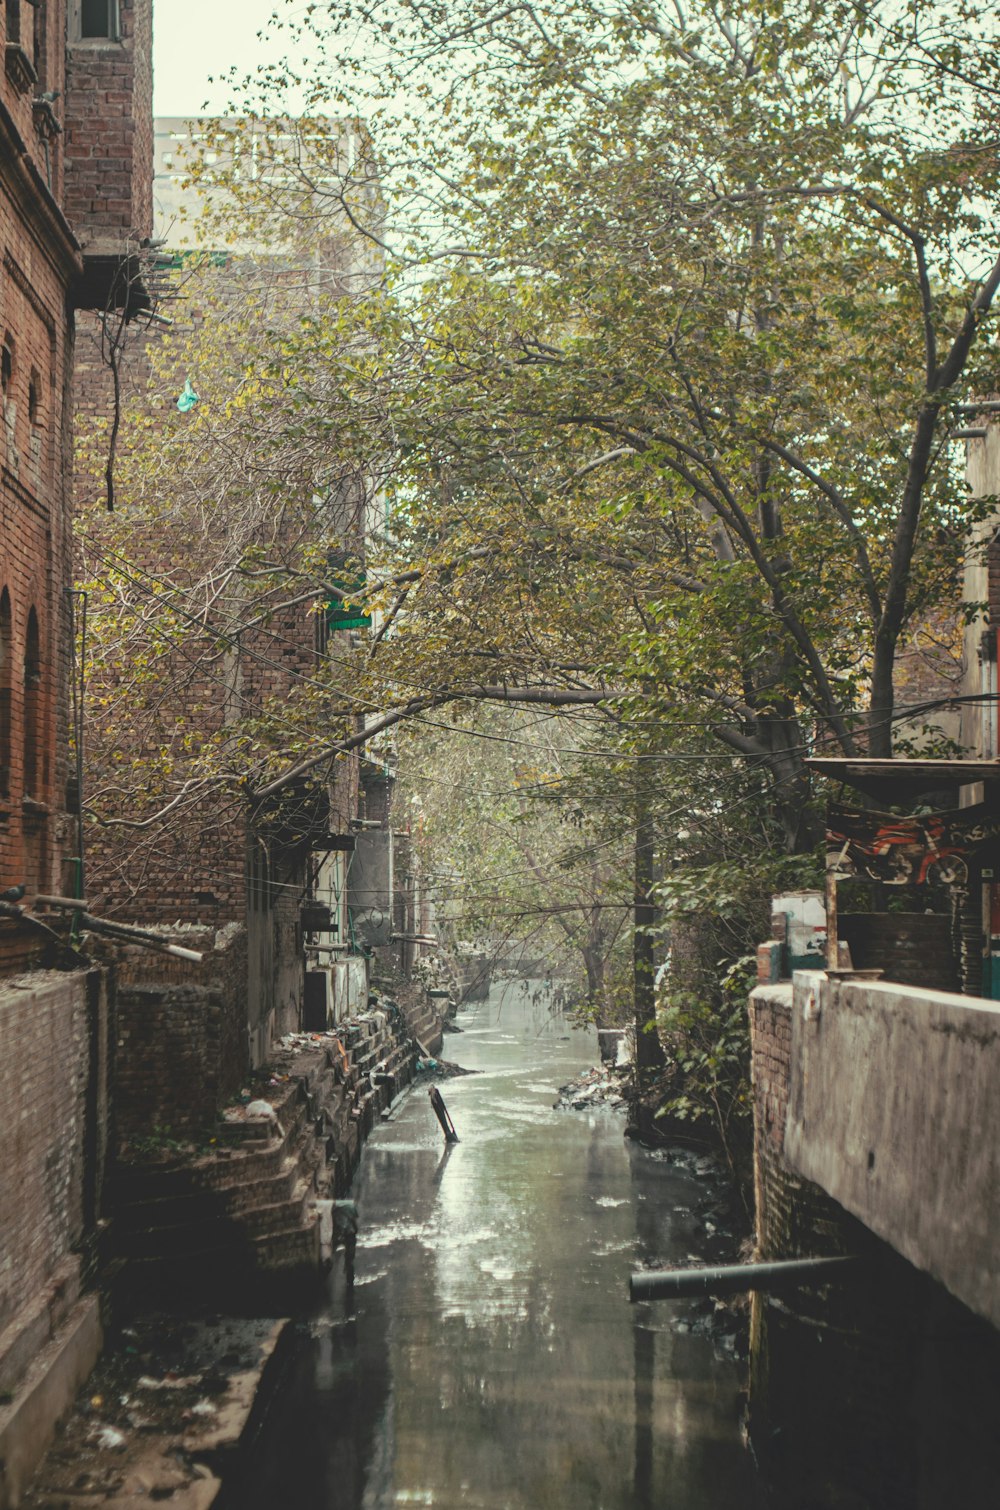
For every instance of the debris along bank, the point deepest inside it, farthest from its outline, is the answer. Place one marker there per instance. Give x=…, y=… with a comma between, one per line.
x=235, y=1222
x=235, y=1216
x=159, y=1420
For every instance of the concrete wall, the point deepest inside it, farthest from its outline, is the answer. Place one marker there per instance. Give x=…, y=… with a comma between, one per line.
x=893, y=1111
x=879, y=1391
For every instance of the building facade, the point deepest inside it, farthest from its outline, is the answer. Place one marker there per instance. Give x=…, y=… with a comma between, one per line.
x=74, y=195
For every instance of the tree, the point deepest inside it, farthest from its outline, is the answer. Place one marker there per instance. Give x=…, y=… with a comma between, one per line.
x=680, y=306
x=512, y=854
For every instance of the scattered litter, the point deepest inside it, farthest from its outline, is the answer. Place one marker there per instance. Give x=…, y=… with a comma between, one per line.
x=169, y=1381
x=188, y=398
x=604, y=1085
x=442, y=1068
x=111, y=1438
x=262, y=1109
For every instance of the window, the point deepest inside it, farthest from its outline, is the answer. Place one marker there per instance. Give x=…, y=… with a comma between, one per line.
x=98, y=19
x=32, y=707
x=8, y=406
x=34, y=400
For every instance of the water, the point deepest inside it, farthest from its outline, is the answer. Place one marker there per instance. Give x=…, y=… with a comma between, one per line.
x=492, y=1360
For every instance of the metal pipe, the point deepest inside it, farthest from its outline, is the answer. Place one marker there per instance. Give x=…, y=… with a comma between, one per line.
x=129, y=934
x=731, y=1279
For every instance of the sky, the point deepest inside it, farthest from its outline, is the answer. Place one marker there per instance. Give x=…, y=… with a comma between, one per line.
x=184, y=56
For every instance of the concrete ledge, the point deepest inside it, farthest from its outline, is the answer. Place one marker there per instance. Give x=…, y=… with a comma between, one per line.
x=27, y=1424
x=894, y=1111
x=37, y=1323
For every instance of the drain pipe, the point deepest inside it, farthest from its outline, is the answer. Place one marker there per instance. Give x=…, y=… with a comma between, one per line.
x=732, y=1279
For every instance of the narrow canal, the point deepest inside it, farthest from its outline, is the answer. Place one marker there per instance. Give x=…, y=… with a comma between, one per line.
x=490, y=1357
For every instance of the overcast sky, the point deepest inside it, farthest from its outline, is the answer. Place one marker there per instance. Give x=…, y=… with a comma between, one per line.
x=193, y=39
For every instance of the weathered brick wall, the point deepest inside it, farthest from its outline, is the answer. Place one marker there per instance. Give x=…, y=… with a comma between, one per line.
x=54, y=1094
x=794, y=1217
x=41, y=46
x=38, y=265
x=182, y=1034
x=928, y=669
x=911, y=948
x=108, y=139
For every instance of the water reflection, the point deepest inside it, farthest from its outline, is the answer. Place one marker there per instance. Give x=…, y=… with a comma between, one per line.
x=493, y=1359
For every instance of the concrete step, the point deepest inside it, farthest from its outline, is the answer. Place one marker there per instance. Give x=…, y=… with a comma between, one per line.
x=232, y=1231
x=232, y=1199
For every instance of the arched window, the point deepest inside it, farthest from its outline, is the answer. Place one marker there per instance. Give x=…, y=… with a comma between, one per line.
x=5, y=675
x=32, y=708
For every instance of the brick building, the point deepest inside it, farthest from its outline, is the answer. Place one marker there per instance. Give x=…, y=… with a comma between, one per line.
x=74, y=197
x=247, y=875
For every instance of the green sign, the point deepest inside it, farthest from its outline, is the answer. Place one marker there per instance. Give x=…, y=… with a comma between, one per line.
x=341, y=613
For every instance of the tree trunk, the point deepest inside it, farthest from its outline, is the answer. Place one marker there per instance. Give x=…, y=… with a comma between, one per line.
x=594, y=964
x=648, y=1049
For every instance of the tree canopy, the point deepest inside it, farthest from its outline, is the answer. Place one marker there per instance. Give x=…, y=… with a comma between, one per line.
x=677, y=306
x=653, y=365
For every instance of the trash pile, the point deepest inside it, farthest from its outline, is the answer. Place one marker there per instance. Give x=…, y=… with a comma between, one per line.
x=442, y=1069
x=168, y=1395
x=604, y=1085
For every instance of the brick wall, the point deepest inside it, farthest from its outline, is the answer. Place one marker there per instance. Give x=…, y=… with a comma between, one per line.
x=35, y=66
x=38, y=264
x=794, y=1218
x=182, y=1047
x=109, y=133
x=53, y=1090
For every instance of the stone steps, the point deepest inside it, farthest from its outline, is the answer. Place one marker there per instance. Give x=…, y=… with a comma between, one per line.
x=220, y=1229
x=227, y=1221
x=212, y=1201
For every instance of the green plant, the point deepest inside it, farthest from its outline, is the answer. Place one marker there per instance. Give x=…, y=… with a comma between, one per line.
x=710, y=1044
x=156, y=1144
